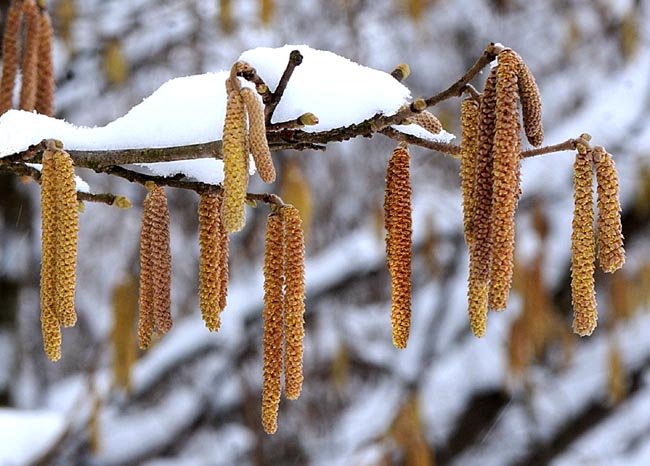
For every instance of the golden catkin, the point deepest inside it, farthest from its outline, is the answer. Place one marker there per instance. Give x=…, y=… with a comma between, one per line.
x=125, y=309
x=273, y=321
x=468, y=156
x=531, y=105
x=45, y=84
x=235, y=162
x=397, y=211
x=611, y=254
x=506, y=173
x=428, y=121
x=585, y=315
x=223, y=267
x=49, y=200
x=480, y=249
x=257, y=135
x=210, y=260
x=162, y=260
x=67, y=233
x=294, y=300
x=30, y=56
x=155, y=268
x=10, y=54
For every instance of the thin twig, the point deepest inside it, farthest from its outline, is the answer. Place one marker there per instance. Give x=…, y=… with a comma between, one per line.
x=569, y=144
x=445, y=148
x=295, y=59
x=249, y=73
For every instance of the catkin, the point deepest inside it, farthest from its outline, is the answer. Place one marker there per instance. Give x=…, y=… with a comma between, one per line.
x=397, y=211
x=468, y=156
x=585, y=315
x=611, y=254
x=49, y=206
x=426, y=120
x=531, y=105
x=125, y=309
x=257, y=136
x=235, y=161
x=294, y=300
x=30, y=56
x=45, y=83
x=10, y=54
x=66, y=237
x=155, y=268
x=273, y=321
x=480, y=249
x=210, y=260
x=506, y=173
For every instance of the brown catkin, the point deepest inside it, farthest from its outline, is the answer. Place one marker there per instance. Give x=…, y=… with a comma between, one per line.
x=294, y=300
x=611, y=254
x=155, y=267
x=210, y=260
x=162, y=260
x=273, y=321
x=30, y=56
x=10, y=54
x=585, y=315
x=257, y=135
x=45, y=84
x=49, y=200
x=480, y=249
x=531, y=105
x=468, y=156
x=235, y=162
x=506, y=173
x=66, y=238
x=428, y=121
x=397, y=205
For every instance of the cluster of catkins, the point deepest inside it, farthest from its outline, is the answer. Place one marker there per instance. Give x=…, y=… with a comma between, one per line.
x=490, y=178
x=37, y=88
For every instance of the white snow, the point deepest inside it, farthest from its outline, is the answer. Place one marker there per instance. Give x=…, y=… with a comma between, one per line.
x=190, y=110
x=27, y=435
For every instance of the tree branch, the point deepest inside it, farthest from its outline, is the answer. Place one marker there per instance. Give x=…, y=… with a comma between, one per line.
x=295, y=59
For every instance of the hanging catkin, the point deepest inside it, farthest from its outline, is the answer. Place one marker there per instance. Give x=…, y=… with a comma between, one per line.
x=235, y=161
x=66, y=237
x=30, y=56
x=125, y=310
x=505, y=194
x=531, y=105
x=294, y=300
x=49, y=206
x=611, y=254
x=10, y=54
x=45, y=83
x=397, y=214
x=468, y=157
x=480, y=249
x=155, y=267
x=585, y=315
x=210, y=258
x=257, y=136
x=273, y=321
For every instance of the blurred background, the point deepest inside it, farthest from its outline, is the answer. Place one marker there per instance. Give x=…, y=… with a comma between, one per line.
x=529, y=393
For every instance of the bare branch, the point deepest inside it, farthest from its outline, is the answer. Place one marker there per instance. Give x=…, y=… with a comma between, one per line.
x=442, y=147
x=295, y=59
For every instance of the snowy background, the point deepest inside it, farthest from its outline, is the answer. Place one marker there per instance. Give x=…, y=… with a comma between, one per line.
x=529, y=393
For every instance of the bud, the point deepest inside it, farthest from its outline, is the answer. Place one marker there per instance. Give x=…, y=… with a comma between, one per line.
x=273, y=321
x=397, y=215
x=30, y=56
x=122, y=202
x=585, y=315
x=294, y=300
x=401, y=72
x=257, y=136
x=235, y=162
x=10, y=54
x=308, y=119
x=468, y=156
x=45, y=83
x=611, y=253
x=506, y=173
